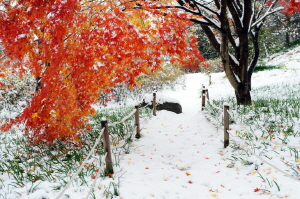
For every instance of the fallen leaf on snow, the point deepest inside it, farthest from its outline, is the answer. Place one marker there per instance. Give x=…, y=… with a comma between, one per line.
x=286, y=196
x=267, y=193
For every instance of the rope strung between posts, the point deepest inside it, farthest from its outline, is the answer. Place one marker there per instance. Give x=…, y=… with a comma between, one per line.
x=276, y=143
x=90, y=153
x=124, y=119
x=209, y=102
x=205, y=93
x=96, y=176
x=149, y=104
x=214, y=106
x=82, y=165
x=285, y=173
x=264, y=139
x=261, y=159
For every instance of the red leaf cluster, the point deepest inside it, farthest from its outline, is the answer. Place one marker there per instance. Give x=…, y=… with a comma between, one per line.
x=82, y=48
x=290, y=6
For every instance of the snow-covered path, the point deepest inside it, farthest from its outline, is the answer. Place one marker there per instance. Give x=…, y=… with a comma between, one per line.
x=181, y=156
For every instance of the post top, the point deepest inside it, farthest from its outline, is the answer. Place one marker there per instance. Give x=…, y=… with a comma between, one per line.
x=226, y=104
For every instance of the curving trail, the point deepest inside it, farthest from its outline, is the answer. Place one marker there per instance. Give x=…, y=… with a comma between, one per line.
x=181, y=156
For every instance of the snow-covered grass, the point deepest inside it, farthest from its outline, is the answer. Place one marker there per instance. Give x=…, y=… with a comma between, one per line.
x=269, y=127
x=24, y=168
x=180, y=155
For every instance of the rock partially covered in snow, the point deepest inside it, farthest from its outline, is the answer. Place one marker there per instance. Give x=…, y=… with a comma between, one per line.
x=163, y=103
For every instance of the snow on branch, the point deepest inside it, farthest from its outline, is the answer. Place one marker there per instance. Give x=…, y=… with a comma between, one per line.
x=207, y=8
x=234, y=59
x=259, y=21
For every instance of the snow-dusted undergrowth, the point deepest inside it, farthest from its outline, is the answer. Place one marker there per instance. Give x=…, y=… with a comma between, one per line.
x=180, y=155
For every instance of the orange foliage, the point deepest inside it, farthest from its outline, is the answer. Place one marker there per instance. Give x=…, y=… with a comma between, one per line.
x=79, y=48
x=290, y=6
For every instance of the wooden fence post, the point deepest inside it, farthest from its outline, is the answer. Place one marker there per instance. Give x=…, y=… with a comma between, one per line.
x=154, y=104
x=226, y=125
x=203, y=98
x=209, y=79
x=108, y=160
x=137, y=122
x=206, y=92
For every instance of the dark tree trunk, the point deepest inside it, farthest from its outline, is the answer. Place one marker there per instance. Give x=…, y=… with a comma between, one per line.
x=287, y=33
x=287, y=38
x=242, y=94
x=238, y=24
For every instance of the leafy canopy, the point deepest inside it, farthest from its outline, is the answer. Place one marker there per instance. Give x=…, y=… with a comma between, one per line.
x=290, y=6
x=80, y=48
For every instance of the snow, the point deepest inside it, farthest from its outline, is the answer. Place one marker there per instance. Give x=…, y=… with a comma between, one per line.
x=181, y=156
x=268, y=12
x=160, y=98
x=234, y=59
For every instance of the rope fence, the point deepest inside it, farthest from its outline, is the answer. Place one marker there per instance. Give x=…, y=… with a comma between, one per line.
x=226, y=116
x=269, y=141
x=81, y=166
x=205, y=98
x=96, y=176
x=104, y=134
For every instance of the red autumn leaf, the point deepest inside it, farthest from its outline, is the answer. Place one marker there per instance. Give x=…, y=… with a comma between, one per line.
x=256, y=190
x=190, y=182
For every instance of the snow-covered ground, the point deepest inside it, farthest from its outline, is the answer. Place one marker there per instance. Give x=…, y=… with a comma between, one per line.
x=181, y=156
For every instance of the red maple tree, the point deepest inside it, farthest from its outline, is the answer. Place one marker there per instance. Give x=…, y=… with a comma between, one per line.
x=77, y=49
x=290, y=7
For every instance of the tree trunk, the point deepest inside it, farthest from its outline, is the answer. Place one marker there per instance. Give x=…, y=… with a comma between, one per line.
x=287, y=33
x=242, y=94
x=239, y=23
x=287, y=38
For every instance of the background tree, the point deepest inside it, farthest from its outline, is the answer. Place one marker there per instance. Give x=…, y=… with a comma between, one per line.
x=288, y=18
x=77, y=49
x=232, y=27
x=207, y=50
